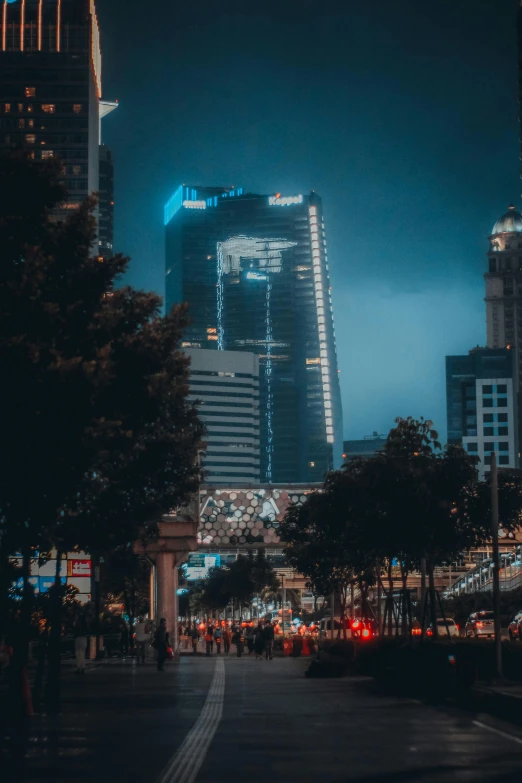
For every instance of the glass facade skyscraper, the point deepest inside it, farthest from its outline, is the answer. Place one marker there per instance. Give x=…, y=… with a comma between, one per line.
x=254, y=271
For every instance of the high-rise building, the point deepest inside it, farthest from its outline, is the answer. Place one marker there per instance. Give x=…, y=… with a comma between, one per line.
x=50, y=87
x=226, y=384
x=367, y=447
x=106, y=203
x=504, y=294
x=481, y=405
x=254, y=271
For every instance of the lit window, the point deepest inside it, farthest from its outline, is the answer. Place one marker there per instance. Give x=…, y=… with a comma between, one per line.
x=21, y=123
x=48, y=108
x=7, y=108
x=77, y=107
x=29, y=107
x=212, y=336
x=20, y=107
x=30, y=138
x=30, y=123
x=211, y=331
x=312, y=464
x=30, y=92
x=46, y=154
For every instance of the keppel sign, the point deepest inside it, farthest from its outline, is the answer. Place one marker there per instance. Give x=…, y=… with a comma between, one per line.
x=285, y=201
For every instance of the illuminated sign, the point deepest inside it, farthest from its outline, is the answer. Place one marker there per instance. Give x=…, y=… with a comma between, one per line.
x=194, y=204
x=199, y=565
x=285, y=201
x=255, y=276
x=78, y=568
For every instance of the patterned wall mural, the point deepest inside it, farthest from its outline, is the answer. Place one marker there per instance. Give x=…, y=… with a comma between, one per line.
x=249, y=516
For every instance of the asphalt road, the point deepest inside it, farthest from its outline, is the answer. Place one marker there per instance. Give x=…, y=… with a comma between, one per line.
x=252, y=721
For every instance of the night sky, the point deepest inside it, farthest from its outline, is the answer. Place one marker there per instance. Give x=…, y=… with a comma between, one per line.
x=402, y=115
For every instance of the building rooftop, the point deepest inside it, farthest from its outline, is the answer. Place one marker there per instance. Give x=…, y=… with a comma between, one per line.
x=509, y=223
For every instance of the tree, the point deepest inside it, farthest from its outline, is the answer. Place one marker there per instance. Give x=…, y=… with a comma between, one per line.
x=100, y=440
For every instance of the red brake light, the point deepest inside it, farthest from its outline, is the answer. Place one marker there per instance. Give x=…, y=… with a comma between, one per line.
x=416, y=631
x=480, y=625
x=429, y=632
x=366, y=633
x=457, y=627
x=355, y=624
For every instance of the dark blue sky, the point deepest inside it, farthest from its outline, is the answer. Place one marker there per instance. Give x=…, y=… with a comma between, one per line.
x=402, y=115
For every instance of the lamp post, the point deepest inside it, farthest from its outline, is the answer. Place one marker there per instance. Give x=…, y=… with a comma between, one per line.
x=496, y=563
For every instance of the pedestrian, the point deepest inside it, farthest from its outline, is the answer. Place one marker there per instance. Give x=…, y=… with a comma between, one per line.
x=142, y=638
x=194, y=635
x=259, y=640
x=227, y=638
x=80, y=643
x=250, y=638
x=237, y=639
x=217, y=639
x=209, y=639
x=161, y=642
x=187, y=637
x=124, y=639
x=268, y=635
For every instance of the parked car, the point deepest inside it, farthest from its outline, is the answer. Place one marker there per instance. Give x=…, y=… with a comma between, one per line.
x=444, y=626
x=480, y=625
x=515, y=627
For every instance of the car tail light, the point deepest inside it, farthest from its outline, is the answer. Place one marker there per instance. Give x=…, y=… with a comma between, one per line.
x=355, y=624
x=366, y=633
x=457, y=627
x=429, y=632
x=416, y=631
x=480, y=625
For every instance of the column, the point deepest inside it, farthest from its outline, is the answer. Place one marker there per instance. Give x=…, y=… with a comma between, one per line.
x=166, y=582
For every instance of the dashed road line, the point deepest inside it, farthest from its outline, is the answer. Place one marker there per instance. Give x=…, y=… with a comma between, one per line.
x=186, y=762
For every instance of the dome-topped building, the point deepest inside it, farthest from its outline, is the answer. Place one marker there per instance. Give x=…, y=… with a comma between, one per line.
x=509, y=223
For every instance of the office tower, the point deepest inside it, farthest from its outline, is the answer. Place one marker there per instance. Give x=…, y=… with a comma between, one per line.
x=106, y=203
x=253, y=269
x=226, y=383
x=504, y=294
x=481, y=405
x=50, y=87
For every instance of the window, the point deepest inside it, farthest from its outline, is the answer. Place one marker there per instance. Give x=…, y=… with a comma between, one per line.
x=20, y=107
x=7, y=108
x=472, y=446
x=30, y=92
x=503, y=460
x=489, y=446
x=503, y=431
x=49, y=108
x=488, y=417
x=487, y=403
x=77, y=107
x=502, y=402
x=46, y=154
x=29, y=107
x=30, y=123
x=312, y=464
x=489, y=431
x=30, y=138
x=503, y=446
x=487, y=390
x=21, y=123
x=501, y=388
x=502, y=417
x=487, y=460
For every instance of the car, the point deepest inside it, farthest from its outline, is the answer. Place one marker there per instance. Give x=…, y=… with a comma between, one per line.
x=480, y=625
x=515, y=627
x=444, y=627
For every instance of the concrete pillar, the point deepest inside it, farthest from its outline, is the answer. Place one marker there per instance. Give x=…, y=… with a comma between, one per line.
x=166, y=590
x=152, y=593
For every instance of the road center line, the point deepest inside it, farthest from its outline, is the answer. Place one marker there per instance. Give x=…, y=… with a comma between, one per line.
x=504, y=734
x=186, y=762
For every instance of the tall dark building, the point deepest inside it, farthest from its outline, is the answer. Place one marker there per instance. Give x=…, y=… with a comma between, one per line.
x=50, y=87
x=481, y=405
x=254, y=271
x=106, y=203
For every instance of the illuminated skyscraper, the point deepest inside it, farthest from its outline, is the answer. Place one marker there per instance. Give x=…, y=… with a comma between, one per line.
x=50, y=86
x=254, y=271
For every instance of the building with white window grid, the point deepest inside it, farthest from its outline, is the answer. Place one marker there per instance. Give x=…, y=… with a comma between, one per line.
x=226, y=384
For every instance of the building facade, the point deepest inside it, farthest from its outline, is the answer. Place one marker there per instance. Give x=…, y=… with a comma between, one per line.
x=504, y=294
x=254, y=272
x=226, y=385
x=50, y=87
x=367, y=447
x=481, y=405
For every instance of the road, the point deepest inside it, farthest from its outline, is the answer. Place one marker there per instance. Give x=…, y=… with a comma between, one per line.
x=201, y=721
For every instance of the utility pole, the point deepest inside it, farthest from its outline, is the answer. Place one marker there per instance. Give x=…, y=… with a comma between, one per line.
x=333, y=617
x=496, y=563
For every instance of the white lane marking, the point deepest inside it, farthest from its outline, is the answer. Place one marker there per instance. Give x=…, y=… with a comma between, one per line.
x=186, y=762
x=504, y=734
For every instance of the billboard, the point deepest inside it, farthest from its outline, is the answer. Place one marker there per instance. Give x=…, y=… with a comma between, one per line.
x=199, y=565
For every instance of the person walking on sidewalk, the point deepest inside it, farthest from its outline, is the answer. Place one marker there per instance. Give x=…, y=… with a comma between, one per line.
x=161, y=642
x=250, y=638
x=259, y=640
x=238, y=639
x=142, y=639
x=209, y=639
x=227, y=638
x=194, y=635
x=268, y=635
x=80, y=644
x=217, y=639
